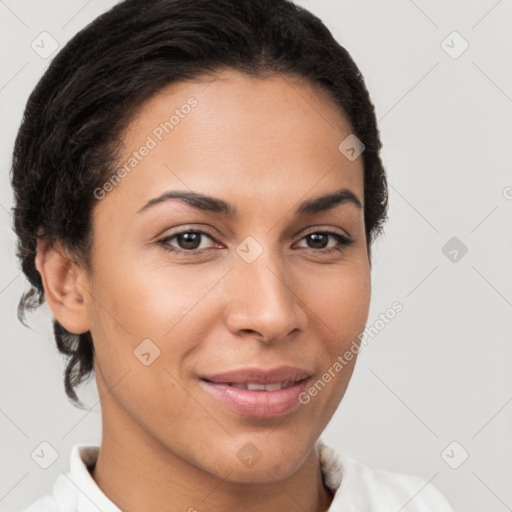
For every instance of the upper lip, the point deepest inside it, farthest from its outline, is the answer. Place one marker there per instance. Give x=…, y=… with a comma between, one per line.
x=260, y=375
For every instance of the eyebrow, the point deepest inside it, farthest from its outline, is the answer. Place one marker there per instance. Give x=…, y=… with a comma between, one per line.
x=212, y=204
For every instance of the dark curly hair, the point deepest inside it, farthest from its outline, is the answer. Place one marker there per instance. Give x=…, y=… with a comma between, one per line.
x=68, y=141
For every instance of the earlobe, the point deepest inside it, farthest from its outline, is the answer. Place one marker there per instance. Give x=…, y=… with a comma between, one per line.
x=63, y=289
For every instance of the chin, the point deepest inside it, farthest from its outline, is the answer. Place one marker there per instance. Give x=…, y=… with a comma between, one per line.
x=265, y=460
x=264, y=472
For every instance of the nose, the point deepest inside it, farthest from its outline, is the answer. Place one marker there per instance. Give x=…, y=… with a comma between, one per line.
x=262, y=297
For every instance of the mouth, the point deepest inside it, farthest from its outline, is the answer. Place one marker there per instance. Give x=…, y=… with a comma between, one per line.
x=254, y=386
x=259, y=393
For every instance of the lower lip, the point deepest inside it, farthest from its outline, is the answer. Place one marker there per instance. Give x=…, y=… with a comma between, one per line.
x=258, y=404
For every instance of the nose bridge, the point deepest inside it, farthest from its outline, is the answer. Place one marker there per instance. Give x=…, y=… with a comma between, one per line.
x=262, y=298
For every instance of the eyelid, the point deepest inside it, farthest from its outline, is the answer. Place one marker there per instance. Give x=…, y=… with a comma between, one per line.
x=164, y=239
x=327, y=230
x=343, y=239
x=309, y=231
x=189, y=229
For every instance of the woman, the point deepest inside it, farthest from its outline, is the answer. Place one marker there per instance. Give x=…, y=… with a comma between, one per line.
x=198, y=185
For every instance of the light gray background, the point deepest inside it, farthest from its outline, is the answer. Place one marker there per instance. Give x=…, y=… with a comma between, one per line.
x=441, y=370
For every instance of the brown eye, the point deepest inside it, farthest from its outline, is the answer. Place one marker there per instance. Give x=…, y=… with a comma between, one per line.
x=186, y=241
x=190, y=240
x=319, y=240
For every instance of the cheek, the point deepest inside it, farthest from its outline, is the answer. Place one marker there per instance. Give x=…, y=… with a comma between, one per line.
x=163, y=303
x=130, y=313
x=342, y=303
x=136, y=296
x=343, y=308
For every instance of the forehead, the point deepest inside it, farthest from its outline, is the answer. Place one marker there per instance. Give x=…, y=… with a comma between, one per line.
x=239, y=136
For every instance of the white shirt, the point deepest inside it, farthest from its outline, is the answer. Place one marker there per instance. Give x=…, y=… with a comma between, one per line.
x=356, y=487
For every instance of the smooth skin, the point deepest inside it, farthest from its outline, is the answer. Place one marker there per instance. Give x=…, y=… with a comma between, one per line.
x=263, y=145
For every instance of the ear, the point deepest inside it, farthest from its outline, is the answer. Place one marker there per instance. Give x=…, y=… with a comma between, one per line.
x=63, y=282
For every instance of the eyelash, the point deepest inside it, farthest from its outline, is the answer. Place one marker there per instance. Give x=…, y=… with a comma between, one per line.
x=343, y=241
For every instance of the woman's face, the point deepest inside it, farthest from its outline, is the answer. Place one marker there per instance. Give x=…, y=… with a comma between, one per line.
x=182, y=324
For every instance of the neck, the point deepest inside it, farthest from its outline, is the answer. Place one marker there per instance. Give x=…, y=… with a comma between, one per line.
x=138, y=473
